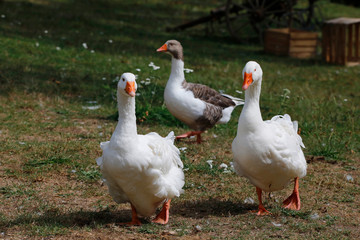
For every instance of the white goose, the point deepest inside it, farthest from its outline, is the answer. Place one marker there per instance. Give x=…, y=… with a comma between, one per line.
x=268, y=153
x=196, y=105
x=144, y=170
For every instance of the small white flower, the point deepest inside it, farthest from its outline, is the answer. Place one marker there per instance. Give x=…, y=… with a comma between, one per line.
x=85, y=45
x=110, y=41
x=223, y=165
x=210, y=163
x=349, y=178
x=116, y=79
x=104, y=78
x=22, y=143
x=46, y=31
x=91, y=107
x=186, y=169
x=3, y=16
x=37, y=44
x=286, y=91
x=147, y=83
x=153, y=92
x=151, y=64
x=92, y=51
x=249, y=200
x=73, y=171
x=276, y=224
x=142, y=81
x=215, y=136
x=232, y=166
x=183, y=149
x=137, y=94
x=314, y=216
x=138, y=69
x=188, y=70
x=99, y=126
x=345, y=100
x=101, y=134
x=58, y=48
x=238, y=91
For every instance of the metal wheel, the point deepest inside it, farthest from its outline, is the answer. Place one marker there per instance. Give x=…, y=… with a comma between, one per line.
x=246, y=20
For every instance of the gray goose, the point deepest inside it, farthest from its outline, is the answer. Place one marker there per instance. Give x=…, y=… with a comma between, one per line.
x=198, y=106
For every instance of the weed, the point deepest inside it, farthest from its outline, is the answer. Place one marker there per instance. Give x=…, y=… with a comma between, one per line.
x=90, y=175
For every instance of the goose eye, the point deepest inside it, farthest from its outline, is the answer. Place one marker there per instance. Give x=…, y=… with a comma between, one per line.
x=123, y=79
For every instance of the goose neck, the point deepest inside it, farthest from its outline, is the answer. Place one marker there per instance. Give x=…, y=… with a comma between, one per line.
x=126, y=127
x=251, y=114
x=177, y=70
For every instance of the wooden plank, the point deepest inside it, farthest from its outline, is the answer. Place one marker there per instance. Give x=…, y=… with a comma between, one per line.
x=279, y=30
x=332, y=42
x=350, y=42
x=302, y=55
x=325, y=43
x=304, y=43
x=357, y=42
x=344, y=45
x=337, y=46
x=303, y=35
x=302, y=49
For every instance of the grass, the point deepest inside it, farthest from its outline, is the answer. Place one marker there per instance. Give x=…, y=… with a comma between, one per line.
x=61, y=57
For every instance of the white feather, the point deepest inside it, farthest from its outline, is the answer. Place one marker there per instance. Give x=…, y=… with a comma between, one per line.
x=144, y=170
x=268, y=153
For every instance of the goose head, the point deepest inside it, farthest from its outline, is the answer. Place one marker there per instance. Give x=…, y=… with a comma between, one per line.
x=252, y=74
x=127, y=85
x=174, y=48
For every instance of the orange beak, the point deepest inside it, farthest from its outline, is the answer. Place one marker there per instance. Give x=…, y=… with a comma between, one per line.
x=247, y=80
x=130, y=88
x=163, y=48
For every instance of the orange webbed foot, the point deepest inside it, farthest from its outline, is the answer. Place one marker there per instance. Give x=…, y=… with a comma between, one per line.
x=163, y=216
x=293, y=201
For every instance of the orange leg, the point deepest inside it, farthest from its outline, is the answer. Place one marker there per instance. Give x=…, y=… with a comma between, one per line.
x=293, y=201
x=191, y=133
x=262, y=210
x=163, y=216
x=134, y=218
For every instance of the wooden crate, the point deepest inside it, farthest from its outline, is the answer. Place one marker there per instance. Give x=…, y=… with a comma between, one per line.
x=341, y=41
x=291, y=42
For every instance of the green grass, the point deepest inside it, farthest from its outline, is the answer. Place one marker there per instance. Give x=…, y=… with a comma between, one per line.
x=50, y=186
